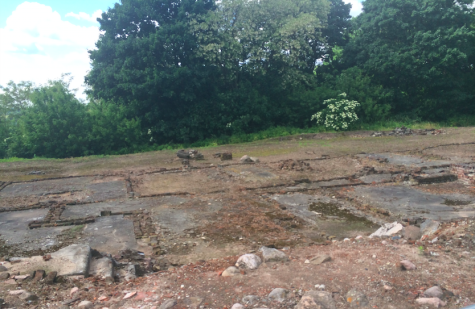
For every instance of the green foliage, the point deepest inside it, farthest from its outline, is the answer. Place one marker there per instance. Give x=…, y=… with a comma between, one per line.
x=420, y=52
x=338, y=114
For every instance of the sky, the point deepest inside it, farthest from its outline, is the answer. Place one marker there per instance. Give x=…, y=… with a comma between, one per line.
x=41, y=40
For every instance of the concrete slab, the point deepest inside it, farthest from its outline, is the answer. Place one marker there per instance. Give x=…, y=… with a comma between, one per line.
x=95, y=209
x=405, y=160
x=407, y=201
x=110, y=234
x=69, y=261
x=328, y=215
x=93, y=191
x=14, y=230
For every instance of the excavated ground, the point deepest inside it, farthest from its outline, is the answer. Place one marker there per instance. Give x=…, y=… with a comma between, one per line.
x=308, y=195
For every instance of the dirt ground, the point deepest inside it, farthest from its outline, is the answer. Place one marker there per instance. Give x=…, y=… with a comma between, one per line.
x=309, y=195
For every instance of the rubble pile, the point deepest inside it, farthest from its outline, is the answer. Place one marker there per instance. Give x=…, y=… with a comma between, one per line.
x=190, y=154
x=295, y=165
x=403, y=131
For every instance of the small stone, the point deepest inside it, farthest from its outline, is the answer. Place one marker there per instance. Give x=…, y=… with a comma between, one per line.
x=346, y=240
x=86, y=305
x=429, y=227
x=273, y=255
x=249, y=261
x=237, y=306
x=356, y=299
x=4, y=276
x=17, y=292
x=130, y=295
x=250, y=300
x=320, y=259
x=103, y=298
x=50, y=277
x=434, y=291
x=231, y=271
x=255, y=160
x=436, y=302
x=73, y=290
x=359, y=237
x=130, y=273
x=21, y=278
x=226, y=156
x=193, y=302
x=278, y=295
x=387, y=287
x=39, y=275
x=167, y=304
x=27, y=296
x=3, y=268
x=407, y=265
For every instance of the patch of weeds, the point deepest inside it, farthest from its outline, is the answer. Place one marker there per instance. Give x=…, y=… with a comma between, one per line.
x=450, y=202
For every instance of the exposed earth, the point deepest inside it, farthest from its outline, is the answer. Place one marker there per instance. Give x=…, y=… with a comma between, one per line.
x=153, y=231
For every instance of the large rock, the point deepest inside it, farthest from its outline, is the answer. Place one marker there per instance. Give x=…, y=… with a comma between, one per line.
x=167, y=304
x=412, y=232
x=249, y=261
x=434, y=291
x=357, y=299
x=316, y=300
x=27, y=296
x=74, y=260
x=387, y=229
x=3, y=268
x=246, y=159
x=273, y=255
x=279, y=295
x=429, y=227
x=4, y=276
x=407, y=265
x=86, y=305
x=231, y=271
x=102, y=268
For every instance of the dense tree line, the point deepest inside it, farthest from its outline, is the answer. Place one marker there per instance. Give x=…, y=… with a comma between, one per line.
x=181, y=71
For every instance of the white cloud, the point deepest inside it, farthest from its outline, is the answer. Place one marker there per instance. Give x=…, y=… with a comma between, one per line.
x=84, y=16
x=356, y=7
x=37, y=45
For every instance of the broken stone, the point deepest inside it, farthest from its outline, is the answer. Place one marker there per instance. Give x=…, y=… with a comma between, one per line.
x=273, y=255
x=434, y=291
x=231, y=271
x=249, y=261
x=27, y=296
x=278, y=295
x=130, y=295
x=320, y=259
x=193, y=302
x=316, y=300
x=74, y=259
x=226, y=156
x=246, y=159
x=357, y=298
x=4, y=276
x=131, y=273
x=237, y=306
x=436, y=302
x=102, y=268
x=407, y=265
x=412, y=232
x=387, y=229
x=429, y=227
x=39, y=275
x=250, y=300
x=86, y=305
x=167, y=304
x=51, y=277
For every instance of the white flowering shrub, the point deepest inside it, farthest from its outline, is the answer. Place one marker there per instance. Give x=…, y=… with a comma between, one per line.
x=338, y=113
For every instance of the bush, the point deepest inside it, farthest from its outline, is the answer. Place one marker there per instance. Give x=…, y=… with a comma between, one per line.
x=338, y=114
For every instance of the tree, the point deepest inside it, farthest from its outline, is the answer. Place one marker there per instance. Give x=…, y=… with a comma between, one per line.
x=419, y=51
x=54, y=125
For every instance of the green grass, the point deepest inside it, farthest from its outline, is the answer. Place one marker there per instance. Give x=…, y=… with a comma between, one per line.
x=274, y=132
